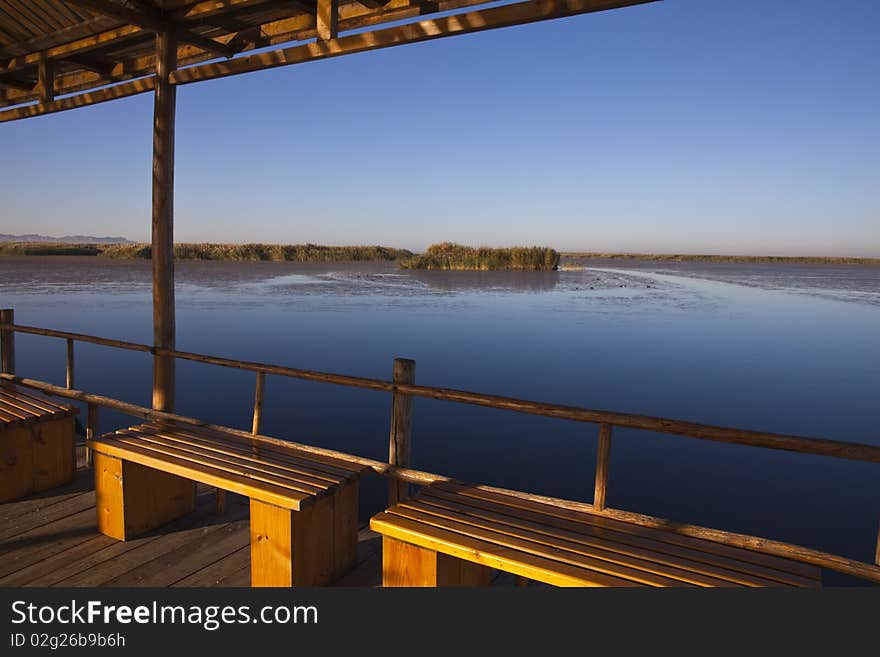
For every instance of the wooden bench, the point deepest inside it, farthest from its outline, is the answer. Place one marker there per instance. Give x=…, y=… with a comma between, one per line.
x=454, y=535
x=303, y=506
x=37, y=448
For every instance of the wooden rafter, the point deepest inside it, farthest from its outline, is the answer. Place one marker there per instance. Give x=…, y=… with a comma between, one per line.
x=151, y=18
x=122, y=53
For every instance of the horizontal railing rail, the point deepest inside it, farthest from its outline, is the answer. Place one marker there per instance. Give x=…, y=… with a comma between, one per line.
x=396, y=469
x=792, y=443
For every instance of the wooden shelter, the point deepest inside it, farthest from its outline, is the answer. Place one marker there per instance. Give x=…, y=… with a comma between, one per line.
x=57, y=55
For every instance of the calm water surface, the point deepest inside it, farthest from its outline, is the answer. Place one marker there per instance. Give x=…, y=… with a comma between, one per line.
x=792, y=349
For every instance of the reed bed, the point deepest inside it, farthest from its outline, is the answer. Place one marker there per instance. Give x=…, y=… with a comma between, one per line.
x=448, y=255
x=208, y=251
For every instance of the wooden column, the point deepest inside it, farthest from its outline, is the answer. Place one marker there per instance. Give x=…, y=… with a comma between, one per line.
x=401, y=428
x=46, y=80
x=70, y=364
x=163, y=220
x=7, y=342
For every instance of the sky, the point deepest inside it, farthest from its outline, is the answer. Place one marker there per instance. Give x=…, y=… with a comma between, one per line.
x=684, y=126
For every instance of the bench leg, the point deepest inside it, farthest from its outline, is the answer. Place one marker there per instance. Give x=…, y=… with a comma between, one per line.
x=311, y=547
x=404, y=564
x=36, y=457
x=132, y=499
x=53, y=453
x=16, y=463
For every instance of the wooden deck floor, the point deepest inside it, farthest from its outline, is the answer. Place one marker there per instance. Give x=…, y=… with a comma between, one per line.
x=51, y=539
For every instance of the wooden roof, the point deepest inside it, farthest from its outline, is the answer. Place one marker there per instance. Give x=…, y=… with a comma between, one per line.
x=71, y=46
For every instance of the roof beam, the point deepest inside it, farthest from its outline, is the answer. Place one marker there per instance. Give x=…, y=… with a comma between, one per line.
x=519, y=13
x=151, y=18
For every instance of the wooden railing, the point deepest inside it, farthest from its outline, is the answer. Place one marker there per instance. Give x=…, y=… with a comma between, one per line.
x=403, y=389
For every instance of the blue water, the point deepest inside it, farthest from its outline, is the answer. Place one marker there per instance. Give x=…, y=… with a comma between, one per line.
x=776, y=348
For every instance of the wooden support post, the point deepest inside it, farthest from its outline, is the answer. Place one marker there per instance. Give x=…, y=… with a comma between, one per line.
x=46, y=80
x=163, y=220
x=7, y=342
x=404, y=564
x=132, y=499
x=91, y=429
x=603, y=456
x=327, y=19
x=69, y=364
x=258, y=402
x=310, y=547
x=401, y=428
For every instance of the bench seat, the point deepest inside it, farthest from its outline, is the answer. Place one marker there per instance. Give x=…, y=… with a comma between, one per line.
x=453, y=535
x=37, y=443
x=303, y=505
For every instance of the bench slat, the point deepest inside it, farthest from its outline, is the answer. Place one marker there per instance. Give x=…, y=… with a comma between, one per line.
x=491, y=555
x=197, y=461
x=234, y=445
x=17, y=407
x=660, y=564
x=551, y=512
x=266, y=445
x=194, y=452
x=557, y=551
x=707, y=563
x=263, y=491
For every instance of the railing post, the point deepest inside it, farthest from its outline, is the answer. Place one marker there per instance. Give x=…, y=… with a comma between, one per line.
x=7, y=342
x=877, y=551
x=401, y=428
x=603, y=456
x=91, y=429
x=69, y=363
x=258, y=402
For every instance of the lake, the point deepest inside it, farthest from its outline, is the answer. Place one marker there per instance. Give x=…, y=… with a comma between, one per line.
x=783, y=348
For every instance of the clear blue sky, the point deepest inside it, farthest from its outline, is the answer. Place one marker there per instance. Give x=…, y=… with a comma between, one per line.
x=684, y=126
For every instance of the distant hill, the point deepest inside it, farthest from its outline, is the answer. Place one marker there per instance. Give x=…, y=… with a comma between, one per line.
x=67, y=239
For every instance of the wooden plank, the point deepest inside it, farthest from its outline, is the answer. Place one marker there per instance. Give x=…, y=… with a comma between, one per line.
x=46, y=570
x=54, y=451
x=487, y=554
x=603, y=455
x=556, y=550
x=709, y=562
x=345, y=529
x=260, y=472
x=215, y=543
x=123, y=556
x=132, y=499
x=271, y=539
x=334, y=468
x=676, y=567
x=218, y=573
x=258, y=456
x=769, y=561
x=46, y=540
x=247, y=486
x=9, y=511
x=16, y=462
x=40, y=516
